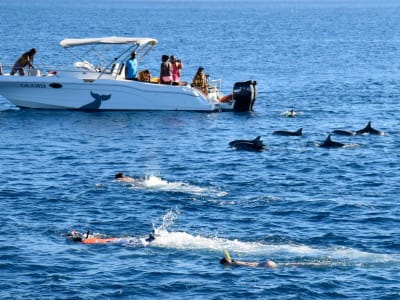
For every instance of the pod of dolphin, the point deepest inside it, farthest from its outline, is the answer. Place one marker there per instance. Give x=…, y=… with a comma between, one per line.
x=257, y=144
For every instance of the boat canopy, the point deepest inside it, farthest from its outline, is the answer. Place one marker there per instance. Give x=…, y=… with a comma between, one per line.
x=67, y=43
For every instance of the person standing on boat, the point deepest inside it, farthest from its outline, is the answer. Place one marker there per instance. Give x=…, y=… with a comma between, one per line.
x=165, y=70
x=1, y=69
x=24, y=60
x=176, y=69
x=131, y=67
x=200, y=81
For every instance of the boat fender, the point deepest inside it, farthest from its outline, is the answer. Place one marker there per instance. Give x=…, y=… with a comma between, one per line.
x=226, y=98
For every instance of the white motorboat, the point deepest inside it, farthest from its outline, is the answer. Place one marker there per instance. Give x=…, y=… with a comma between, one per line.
x=85, y=86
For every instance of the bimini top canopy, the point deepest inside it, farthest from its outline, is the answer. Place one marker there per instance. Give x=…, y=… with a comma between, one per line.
x=67, y=43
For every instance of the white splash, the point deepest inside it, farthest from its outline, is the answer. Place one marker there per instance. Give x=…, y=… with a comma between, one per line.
x=260, y=250
x=157, y=184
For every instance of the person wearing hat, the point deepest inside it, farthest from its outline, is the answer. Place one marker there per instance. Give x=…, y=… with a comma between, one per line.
x=131, y=67
x=200, y=81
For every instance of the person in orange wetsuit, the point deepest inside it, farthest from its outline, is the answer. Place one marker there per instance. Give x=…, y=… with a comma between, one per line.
x=86, y=238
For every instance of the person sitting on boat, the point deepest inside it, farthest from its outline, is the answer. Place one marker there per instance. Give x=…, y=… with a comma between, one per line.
x=24, y=60
x=144, y=75
x=165, y=70
x=131, y=67
x=176, y=69
x=200, y=81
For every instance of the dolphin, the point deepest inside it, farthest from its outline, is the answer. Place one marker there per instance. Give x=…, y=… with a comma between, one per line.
x=298, y=132
x=248, y=145
x=369, y=130
x=328, y=143
x=343, y=132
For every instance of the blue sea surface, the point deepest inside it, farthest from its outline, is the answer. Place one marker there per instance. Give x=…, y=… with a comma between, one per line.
x=335, y=62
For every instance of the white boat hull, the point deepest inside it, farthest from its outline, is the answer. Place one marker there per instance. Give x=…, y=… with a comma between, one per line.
x=86, y=87
x=58, y=92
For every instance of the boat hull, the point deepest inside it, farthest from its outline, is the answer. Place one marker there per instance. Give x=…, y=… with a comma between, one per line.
x=54, y=92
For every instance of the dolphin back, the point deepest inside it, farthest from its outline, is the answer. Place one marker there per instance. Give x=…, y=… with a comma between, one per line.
x=248, y=145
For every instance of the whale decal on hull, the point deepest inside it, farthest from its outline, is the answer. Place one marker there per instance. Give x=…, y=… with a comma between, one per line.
x=95, y=105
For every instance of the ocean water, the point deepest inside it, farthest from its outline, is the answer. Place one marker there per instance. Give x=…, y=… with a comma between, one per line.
x=335, y=62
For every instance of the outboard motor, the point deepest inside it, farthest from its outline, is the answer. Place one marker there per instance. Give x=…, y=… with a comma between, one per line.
x=244, y=94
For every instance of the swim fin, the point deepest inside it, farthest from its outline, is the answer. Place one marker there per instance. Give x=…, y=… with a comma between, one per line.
x=227, y=256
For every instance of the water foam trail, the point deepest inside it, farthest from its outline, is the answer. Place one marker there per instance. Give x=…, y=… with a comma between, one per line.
x=260, y=250
x=156, y=183
x=339, y=256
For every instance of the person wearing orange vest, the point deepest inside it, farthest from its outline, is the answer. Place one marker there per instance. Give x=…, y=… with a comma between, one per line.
x=200, y=81
x=86, y=238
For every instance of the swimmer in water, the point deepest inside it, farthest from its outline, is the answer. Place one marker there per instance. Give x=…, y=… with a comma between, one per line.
x=227, y=261
x=86, y=238
x=291, y=113
x=267, y=264
x=121, y=177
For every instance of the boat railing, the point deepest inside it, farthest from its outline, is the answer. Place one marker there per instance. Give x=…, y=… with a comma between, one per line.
x=52, y=70
x=214, y=84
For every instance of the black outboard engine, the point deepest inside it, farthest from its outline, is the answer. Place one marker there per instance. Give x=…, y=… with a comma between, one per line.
x=244, y=94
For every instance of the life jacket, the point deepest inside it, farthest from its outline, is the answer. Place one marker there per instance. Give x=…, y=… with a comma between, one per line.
x=199, y=81
x=144, y=76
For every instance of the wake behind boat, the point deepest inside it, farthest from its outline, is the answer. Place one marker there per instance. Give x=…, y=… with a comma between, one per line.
x=104, y=87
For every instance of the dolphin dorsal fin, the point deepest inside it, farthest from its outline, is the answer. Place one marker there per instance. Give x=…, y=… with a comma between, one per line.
x=328, y=139
x=257, y=139
x=300, y=131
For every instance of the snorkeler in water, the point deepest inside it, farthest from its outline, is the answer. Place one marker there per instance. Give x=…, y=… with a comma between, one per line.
x=228, y=261
x=267, y=264
x=122, y=177
x=86, y=238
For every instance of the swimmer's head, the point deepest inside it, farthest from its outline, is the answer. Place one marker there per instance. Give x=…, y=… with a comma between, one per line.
x=223, y=261
x=75, y=236
x=119, y=175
